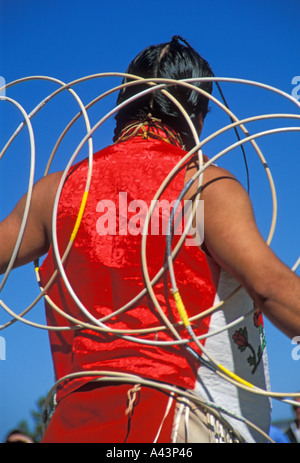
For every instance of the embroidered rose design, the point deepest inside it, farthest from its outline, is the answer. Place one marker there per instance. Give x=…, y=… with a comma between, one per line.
x=240, y=338
x=258, y=319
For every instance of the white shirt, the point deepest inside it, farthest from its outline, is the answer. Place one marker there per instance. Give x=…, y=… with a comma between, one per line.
x=241, y=349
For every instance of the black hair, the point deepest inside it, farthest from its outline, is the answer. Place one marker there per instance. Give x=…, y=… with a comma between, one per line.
x=172, y=60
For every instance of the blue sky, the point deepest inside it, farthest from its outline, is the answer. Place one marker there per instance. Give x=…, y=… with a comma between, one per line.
x=67, y=40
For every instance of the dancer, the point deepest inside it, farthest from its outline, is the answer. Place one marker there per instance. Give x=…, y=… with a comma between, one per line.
x=104, y=269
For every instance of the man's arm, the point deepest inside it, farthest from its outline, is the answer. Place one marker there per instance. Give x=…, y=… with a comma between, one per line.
x=37, y=235
x=233, y=240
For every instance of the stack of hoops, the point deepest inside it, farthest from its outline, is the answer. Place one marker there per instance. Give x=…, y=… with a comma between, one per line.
x=154, y=85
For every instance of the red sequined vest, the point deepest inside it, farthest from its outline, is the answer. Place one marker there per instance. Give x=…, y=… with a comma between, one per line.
x=104, y=268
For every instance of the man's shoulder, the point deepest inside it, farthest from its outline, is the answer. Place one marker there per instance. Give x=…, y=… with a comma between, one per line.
x=45, y=191
x=214, y=178
x=50, y=180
